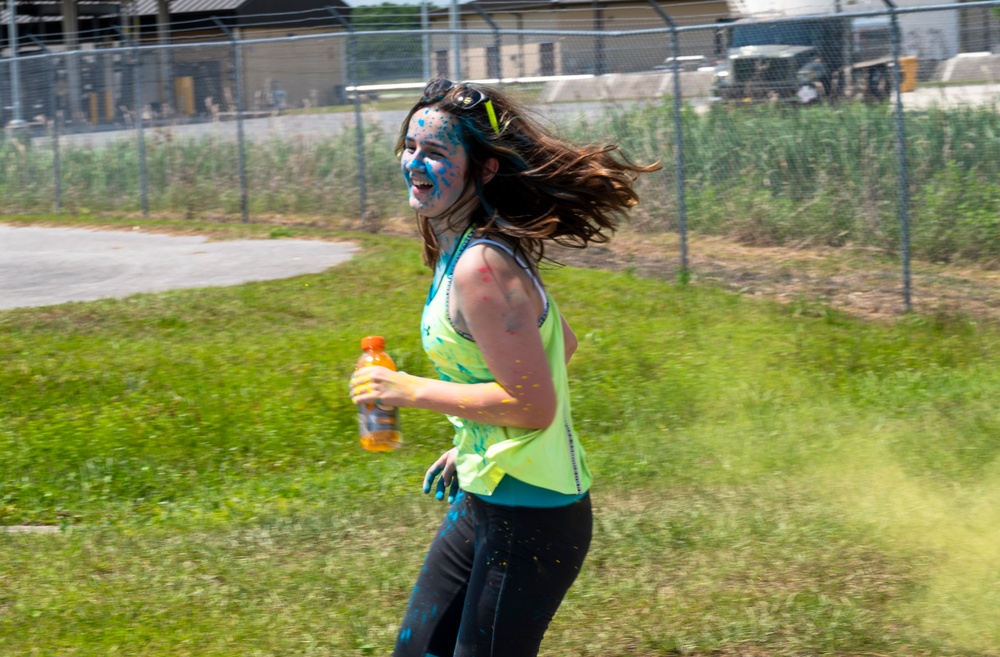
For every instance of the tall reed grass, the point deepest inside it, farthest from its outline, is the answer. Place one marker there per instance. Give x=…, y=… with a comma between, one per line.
x=828, y=175
x=764, y=175
x=198, y=178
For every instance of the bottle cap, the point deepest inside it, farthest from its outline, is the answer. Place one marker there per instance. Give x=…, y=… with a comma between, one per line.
x=373, y=343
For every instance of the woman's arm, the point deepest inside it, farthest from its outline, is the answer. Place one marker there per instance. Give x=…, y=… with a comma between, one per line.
x=499, y=304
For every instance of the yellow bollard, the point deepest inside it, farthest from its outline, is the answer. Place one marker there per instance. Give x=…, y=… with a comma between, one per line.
x=909, y=71
x=184, y=95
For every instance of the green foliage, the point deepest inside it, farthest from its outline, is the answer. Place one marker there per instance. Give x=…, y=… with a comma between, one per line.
x=768, y=479
x=825, y=175
x=199, y=177
x=958, y=216
x=765, y=175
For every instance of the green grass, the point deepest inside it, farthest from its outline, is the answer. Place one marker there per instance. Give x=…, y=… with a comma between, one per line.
x=769, y=480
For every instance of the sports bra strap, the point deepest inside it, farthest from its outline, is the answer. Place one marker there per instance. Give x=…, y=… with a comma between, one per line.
x=522, y=263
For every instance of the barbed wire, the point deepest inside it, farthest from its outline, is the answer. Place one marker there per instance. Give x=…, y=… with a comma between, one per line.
x=320, y=17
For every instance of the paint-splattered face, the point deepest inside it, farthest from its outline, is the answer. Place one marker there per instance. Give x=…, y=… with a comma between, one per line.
x=434, y=161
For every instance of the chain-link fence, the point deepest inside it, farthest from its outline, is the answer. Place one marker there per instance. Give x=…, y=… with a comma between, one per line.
x=870, y=128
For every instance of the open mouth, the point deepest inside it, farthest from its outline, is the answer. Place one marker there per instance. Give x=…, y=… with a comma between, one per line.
x=420, y=186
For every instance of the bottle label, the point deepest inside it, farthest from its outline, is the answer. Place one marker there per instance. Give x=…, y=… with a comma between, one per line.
x=374, y=418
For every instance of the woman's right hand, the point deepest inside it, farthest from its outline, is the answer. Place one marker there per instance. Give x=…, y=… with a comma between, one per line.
x=384, y=387
x=445, y=467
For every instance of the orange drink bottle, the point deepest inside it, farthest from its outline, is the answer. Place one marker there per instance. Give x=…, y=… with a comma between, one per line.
x=377, y=424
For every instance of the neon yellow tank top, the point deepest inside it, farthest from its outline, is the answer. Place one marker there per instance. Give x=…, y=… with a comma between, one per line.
x=550, y=458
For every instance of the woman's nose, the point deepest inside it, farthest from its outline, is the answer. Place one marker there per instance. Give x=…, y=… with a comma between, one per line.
x=415, y=162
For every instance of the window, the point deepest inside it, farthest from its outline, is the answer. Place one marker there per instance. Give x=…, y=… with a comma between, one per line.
x=547, y=54
x=492, y=62
x=441, y=59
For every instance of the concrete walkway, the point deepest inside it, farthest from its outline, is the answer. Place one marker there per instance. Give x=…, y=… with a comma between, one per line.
x=42, y=266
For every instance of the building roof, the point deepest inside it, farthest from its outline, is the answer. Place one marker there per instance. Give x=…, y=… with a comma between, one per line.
x=33, y=9
x=508, y=6
x=257, y=12
x=498, y=6
x=242, y=7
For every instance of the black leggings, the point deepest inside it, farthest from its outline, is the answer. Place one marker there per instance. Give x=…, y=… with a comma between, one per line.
x=493, y=579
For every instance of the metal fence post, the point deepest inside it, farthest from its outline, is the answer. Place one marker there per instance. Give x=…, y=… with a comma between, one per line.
x=496, y=41
x=137, y=113
x=352, y=74
x=56, y=165
x=143, y=175
x=904, y=183
x=240, y=140
x=685, y=274
x=15, y=66
x=425, y=39
x=456, y=40
x=599, y=63
x=56, y=162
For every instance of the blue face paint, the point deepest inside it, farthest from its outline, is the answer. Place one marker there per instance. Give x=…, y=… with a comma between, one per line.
x=434, y=162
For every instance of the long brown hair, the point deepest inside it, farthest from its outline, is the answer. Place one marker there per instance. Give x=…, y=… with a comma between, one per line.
x=545, y=188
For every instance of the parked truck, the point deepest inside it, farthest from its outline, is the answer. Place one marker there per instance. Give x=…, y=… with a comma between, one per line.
x=805, y=60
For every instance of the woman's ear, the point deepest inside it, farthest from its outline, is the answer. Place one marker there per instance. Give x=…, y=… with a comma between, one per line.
x=490, y=168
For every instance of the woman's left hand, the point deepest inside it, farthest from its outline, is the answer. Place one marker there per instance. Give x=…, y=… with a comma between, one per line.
x=445, y=467
x=382, y=386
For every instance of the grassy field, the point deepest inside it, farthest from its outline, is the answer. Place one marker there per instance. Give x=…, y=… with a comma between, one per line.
x=770, y=480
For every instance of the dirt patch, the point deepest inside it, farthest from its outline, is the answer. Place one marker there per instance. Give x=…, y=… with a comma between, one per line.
x=860, y=281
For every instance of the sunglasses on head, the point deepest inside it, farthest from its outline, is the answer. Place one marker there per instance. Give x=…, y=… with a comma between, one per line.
x=467, y=98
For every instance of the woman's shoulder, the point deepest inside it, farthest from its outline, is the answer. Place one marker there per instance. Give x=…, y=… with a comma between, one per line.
x=485, y=261
x=489, y=279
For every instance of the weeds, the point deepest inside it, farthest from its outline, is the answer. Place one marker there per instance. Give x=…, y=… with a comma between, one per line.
x=764, y=175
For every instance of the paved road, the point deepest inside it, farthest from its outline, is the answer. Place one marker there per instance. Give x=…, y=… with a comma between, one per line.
x=291, y=126
x=308, y=126
x=45, y=266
